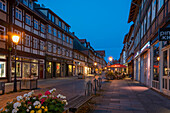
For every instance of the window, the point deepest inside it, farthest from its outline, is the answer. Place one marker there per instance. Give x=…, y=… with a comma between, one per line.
x=35, y=24
x=27, y=40
x=66, y=28
x=63, y=51
x=54, y=48
x=54, y=32
x=49, y=47
x=42, y=28
x=141, y=30
x=2, y=33
x=53, y=20
x=49, y=29
x=67, y=39
x=165, y=63
x=28, y=19
x=31, y=4
x=153, y=9
x=59, y=34
x=160, y=4
x=3, y=5
x=42, y=45
x=149, y=18
x=144, y=25
x=18, y=14
x=35, y=43
x=64, y=37
x=2, y=69
x=49, y=16
x=71, y=41
x=59, y=50
x=59, y=23
x=25, y=2
x=70, y=53
x=56, y=20
x=156, y=59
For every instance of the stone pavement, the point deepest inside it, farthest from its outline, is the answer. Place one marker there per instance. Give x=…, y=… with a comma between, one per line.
x=125, y=96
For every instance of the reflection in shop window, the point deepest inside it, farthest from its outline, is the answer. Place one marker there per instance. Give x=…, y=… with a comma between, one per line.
x=156, y=59
x=49, y=67
x=26, y=70
x=165, y=62
x=69, y=68
x=18, y=69
x=34, y=70
x=2, y=69
x=58, y=68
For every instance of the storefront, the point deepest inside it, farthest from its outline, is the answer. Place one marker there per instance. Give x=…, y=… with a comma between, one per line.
x=79, y=67
x=3, y=66
x=137, y=66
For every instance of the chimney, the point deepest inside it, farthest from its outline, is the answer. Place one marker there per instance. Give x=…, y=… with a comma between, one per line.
x=73, y=33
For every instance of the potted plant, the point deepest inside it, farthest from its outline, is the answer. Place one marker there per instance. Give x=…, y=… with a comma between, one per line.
x=31, y=103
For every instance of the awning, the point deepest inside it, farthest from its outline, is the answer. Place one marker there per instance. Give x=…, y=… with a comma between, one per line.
x=117, y=66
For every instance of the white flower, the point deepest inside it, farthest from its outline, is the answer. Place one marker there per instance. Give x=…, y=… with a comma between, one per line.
x=14, y=111
x=25, y=95
x=61, y=96
x=52, y=90
x=34, y=98
x=6, y=110
x=65, y=101
x=44, y=96
x=19, y=98
x=29, y=107
x=36, y=103
x=27, y=98
x=28, y=110
x=1, y=109
x=16, y=105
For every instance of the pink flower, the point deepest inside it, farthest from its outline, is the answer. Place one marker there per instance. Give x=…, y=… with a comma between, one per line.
x=42, y=100
x=47, y=93
x=28, y=102
x=39, y=95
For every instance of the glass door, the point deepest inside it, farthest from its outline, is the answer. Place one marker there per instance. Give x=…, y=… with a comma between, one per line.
x=166, y=71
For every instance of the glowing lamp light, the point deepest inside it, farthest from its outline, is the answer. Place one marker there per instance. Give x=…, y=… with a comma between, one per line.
x=158, y=58
x=15, y=39
x=110, y=59
x=95, y=63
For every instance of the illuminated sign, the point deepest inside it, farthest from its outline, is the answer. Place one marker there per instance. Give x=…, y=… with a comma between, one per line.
x=164, y=34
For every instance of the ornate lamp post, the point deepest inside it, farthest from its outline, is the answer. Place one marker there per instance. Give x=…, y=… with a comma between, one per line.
x=15, y=39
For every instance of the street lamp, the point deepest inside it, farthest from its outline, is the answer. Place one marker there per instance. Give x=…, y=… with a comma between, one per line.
x=95, y=64
x=110, y=59
x=15, y=39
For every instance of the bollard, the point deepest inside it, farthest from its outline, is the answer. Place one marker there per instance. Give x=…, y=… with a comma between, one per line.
x=95, y=86
x=89, y=88
x=100, y=83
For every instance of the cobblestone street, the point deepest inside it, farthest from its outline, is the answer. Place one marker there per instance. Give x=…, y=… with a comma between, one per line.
x=124, y=96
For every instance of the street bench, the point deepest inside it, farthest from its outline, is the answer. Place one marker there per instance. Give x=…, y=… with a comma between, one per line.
x=2, y=87
x=77, y=102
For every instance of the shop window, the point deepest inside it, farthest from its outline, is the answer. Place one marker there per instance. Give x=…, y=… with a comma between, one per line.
x=3, y=5
x=2, y=33
x=2, y=69
x=70, y=68
x=165, y=63
x=35, y=24
x=34, y=70
x=58, y=66
x=18, y=69
x=156, y=59
x=28, y=19
x=49, y=67
x=18, y=14
x=26, y=70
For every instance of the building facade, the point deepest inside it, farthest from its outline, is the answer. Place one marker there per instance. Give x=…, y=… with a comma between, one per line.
x=151, y=55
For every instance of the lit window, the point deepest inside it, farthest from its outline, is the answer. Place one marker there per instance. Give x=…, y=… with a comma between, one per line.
x=54, y=32
x=18, y=14
x=35, y=24
x=49, y=29
x=42, y=28
x=28, y=19
x=3, y=5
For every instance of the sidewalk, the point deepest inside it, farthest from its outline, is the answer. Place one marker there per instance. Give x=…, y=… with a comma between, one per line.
x=125, y=96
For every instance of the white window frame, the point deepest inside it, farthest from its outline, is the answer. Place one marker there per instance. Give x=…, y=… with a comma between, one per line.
x=35, y=43
x=18, y=14
x=27, y=40
x=3, y=5
x=35, y=24
x=2, y=30
x=28, y=19
x=42, y=44
x=49, y=47
x=54, y=48
x=42, y=28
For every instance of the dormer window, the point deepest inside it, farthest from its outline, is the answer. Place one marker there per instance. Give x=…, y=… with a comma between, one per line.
x=25, y=2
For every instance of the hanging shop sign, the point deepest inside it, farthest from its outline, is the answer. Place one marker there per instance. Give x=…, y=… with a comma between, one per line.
x=164, y=34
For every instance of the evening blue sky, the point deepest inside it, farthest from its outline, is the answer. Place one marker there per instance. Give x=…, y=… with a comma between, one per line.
x=102, y=22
